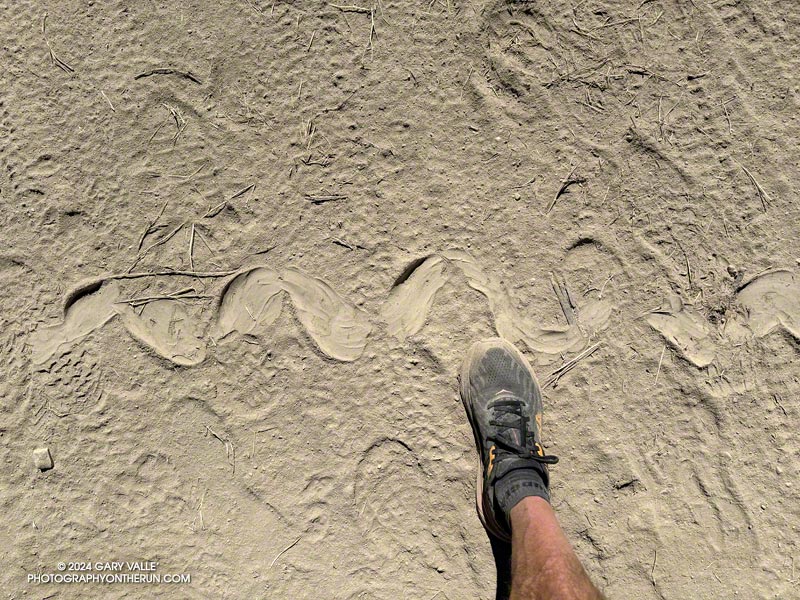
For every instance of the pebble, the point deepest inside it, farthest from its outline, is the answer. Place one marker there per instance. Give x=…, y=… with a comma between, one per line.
x=42, y=459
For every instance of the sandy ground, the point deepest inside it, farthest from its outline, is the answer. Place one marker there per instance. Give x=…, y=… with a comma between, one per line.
x=365, y=194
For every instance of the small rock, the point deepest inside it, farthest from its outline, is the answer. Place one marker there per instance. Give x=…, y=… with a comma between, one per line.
x=42, y=459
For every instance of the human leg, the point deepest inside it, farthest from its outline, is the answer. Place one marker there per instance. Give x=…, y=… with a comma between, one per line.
x=504, y=405
x=543, y=563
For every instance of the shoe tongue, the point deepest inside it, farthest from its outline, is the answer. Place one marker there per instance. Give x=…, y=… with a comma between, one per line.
x=512, y=433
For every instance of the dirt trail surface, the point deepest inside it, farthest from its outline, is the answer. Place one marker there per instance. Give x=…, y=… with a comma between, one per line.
x=245, y=246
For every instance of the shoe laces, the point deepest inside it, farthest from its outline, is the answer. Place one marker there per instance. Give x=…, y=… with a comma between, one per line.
x=512, y=409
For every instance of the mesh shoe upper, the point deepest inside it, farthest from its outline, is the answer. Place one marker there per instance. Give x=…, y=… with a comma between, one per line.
x=504, y=405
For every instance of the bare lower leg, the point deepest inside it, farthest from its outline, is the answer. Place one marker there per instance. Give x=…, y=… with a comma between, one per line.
x=543, y=564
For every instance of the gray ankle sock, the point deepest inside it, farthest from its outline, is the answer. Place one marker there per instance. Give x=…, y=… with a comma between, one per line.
x=518, y=484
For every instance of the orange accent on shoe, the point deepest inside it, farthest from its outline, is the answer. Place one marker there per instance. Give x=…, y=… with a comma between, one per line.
x=492, y=456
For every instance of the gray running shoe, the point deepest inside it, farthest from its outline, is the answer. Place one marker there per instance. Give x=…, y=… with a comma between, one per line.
x=504, y=406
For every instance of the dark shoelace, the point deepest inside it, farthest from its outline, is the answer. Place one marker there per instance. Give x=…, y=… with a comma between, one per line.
x=513, y=406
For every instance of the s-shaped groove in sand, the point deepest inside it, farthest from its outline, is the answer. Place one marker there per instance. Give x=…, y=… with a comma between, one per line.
x=339, y=328
x=253, y=300
x=508, y=322
x=410, y=300
x=770, y=301
x=687, y=332
x=88, y=308
x=250, y=302
x=164, y=326
x=168, y=328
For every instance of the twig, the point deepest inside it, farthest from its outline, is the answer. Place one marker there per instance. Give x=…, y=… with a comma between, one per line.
x=140, y=274
x=762, y=194
x=149, y=228
x=228, y=451
x=191, y=249
x=653, y=568
x=592, y=106
x=688, y=266
x=603, y=287
x=727, y=116
x=580, y=31
x=563, y=299
x=659, y=362
x=243, y=191
x=53, y=56
x=165, y=71
x=136, y=302
x=777, y=400
x=565, y=183
x=578, y=76
x=213, y=212
x=347, y=245
x=205, y=243
x=163, y=240
x=102, y=93
x=339, y=106
x=256, y=8
x=371, y=30
x=180, y=122
x=322, y=198
x=341, y=243
x=284, y=551
x=660, y=120
x=352, y=8
x=155, y=133
x=250, y=313
x=614, y=23
x=88, y=286
x=264, y=251
x=311, y=41
x=645, y=72
x=187, y=177
x=179, y=294
x=553, y=378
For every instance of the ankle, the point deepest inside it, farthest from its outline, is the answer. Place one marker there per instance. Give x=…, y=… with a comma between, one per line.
x=517, y=486
x=530, y=508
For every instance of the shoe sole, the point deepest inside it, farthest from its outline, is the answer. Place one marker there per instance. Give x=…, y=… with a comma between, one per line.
x=485, y=515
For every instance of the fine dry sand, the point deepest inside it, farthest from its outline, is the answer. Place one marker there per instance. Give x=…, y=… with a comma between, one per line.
x=245, y=246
